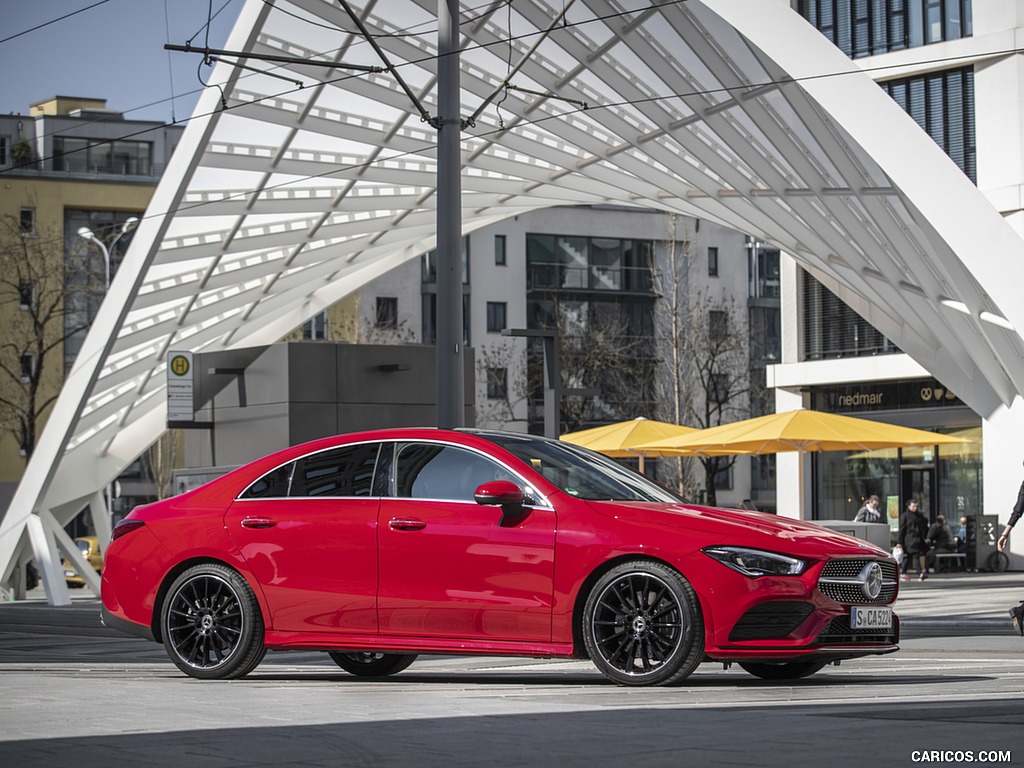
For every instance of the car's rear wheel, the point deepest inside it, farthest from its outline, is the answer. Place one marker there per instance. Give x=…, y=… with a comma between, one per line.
x=642, y=625
x=790, y=670
x=370, y=664
x=211, y=624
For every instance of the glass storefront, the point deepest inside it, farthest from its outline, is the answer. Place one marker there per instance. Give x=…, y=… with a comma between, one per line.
x=945, y=480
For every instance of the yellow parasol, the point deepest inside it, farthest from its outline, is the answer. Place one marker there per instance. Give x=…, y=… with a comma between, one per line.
x=619, y=440
x=800, y=430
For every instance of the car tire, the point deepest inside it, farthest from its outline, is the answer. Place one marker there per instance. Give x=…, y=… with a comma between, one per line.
x=370, y=664
x=642, y=625
x=211, y=624
x=790, y=670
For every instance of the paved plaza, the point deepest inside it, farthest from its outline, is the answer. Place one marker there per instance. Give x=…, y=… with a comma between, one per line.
x=74, y=693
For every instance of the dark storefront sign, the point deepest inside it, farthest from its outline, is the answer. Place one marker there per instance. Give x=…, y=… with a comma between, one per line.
x=883, y=396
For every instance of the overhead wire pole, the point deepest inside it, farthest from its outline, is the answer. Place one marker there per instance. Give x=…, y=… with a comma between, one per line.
x=451, y=395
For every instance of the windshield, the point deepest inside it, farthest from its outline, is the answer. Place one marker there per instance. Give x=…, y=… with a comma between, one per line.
x=582, y=473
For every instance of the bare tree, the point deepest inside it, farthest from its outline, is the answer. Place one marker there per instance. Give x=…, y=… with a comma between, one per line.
x=33, y=275
x=704, y=377
x=603, y=347
x=499, y=367
x=717, y=363
x=160, y=461
x=374, y=332
x=671, y=278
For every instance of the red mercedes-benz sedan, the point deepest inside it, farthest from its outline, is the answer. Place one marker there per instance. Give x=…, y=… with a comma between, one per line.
x=378, y=546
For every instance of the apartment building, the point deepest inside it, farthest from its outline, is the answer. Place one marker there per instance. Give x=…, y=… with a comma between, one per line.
x=69, y=164
x=950, y=64
x=601, y=276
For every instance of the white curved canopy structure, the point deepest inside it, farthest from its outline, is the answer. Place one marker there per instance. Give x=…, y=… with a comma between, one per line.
x=294, y=184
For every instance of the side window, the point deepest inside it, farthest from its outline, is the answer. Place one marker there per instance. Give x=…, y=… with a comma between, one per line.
x=272, y=485
x=430, y=471
x=346, y=471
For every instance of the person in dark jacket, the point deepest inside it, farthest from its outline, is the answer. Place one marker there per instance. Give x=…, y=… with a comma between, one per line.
x=1017, y=613
x=913, y=537
x=940, y=539
x=940, y=536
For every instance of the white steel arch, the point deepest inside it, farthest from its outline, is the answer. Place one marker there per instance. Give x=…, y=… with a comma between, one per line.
x=293, y=187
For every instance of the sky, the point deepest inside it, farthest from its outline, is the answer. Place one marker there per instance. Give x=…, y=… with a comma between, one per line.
x=109, y=49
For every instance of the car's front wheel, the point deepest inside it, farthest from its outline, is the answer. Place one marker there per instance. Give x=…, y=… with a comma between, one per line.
x=369, y=664
x=211, y=624
x=642, y=625
x=791, y=670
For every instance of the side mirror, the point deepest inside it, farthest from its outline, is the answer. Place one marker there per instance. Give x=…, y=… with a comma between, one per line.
x=499, y=493
x=507, y=495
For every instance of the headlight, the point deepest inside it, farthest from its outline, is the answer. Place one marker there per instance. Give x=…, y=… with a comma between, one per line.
x=756, y=562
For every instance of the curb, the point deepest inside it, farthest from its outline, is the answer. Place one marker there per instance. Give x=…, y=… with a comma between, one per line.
x=953, y=621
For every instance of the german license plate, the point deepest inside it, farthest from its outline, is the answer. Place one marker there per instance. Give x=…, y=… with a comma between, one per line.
x=69, y=572
x=870, y=617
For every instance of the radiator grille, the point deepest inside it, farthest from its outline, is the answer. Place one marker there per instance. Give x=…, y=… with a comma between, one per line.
x=840, y=581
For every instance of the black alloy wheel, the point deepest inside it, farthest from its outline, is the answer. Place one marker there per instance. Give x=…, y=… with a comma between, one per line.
x=370, y=664
x=790, y=670
x=642, y=625
x=211, y=624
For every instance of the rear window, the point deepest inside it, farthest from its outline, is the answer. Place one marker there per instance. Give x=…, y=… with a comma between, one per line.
x=344, y=471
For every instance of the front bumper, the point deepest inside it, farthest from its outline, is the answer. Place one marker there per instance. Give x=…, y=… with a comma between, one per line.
x=810, y=617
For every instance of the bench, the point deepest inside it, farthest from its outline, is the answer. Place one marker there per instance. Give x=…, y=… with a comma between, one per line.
x=948, y=559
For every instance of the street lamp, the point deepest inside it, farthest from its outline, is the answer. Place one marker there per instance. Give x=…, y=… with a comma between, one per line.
x=89, y=236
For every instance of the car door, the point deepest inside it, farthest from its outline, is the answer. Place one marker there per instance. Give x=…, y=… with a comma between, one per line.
x=308, y=532
x=450, y=567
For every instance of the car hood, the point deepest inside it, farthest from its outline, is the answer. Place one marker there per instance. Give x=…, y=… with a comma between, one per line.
x=743, y=528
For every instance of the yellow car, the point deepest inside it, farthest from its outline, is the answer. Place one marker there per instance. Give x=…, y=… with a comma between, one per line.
x=89, y=546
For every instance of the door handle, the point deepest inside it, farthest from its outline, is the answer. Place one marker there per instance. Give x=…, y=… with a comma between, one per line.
x=406, y=524
x=258, y=522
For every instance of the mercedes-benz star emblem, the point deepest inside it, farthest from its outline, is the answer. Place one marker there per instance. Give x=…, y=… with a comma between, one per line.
x=871, y=578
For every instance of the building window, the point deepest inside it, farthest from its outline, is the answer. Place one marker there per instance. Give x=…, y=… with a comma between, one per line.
x=497, y=383
x=942, y=103
x=28, y=367
x=723, y=479
x=585, y=263
x=499, y=250
x=123, y=158
x=718, y=388
x=27, y=221
x=429, y=317
x=718, y=324
x=387, y=312
x=765, y=334
x=496, y=316
x=315, y=329
x=713, y=262
x=428, y=264
x=26, y=294
x=869, y=27
x=833, y=330
x=5, y=150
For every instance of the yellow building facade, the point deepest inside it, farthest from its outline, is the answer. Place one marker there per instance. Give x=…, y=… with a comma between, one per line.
x=72, y=163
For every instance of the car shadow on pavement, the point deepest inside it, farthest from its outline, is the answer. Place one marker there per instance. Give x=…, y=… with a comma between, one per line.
x=732, y=678
x=796, y=736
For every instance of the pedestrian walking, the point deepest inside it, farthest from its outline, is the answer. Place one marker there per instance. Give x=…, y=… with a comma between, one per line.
x=1017, y=612
x=913, y=537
